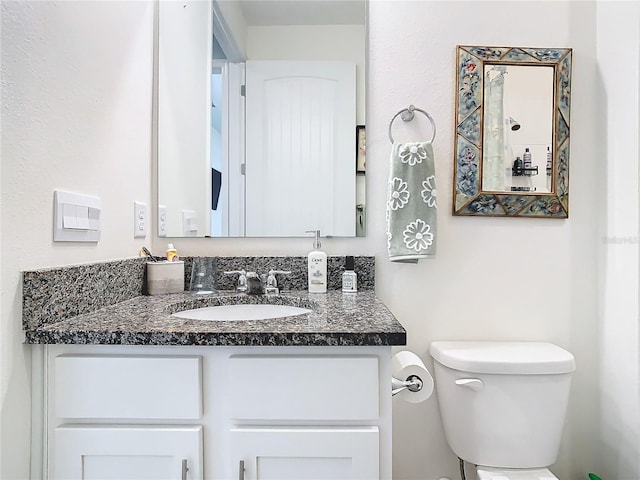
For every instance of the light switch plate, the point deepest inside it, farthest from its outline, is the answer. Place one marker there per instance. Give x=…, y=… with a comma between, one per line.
x=189, y=223
x=162, y=221
x=140, y=220
x=76, y=217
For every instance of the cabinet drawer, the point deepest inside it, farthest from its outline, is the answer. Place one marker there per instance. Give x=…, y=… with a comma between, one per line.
x=122, y=387
x=303, y=387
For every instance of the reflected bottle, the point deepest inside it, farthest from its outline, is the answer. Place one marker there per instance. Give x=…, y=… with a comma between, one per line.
x=517, y=167
x=526, y=159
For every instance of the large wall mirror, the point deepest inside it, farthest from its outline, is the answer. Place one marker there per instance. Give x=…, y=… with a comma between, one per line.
x=512, y=132
x=260, y=108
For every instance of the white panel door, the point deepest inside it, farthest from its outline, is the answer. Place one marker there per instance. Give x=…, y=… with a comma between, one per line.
x=300, y=148
x=131, y=453
x=305, y=453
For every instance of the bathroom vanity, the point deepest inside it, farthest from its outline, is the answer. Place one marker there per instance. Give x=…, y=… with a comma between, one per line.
x=128, y=391
x=245, y=412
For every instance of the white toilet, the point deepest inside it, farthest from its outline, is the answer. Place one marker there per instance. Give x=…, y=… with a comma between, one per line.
x=503, y=404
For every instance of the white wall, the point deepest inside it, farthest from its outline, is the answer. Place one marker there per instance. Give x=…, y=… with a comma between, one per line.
x=184, y=114
x=493, y=278
x=76, y=114
x=619, y=106
x=313, y=42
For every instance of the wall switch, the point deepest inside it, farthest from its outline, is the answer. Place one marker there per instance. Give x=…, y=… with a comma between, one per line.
x=189, y=223
x=140, y=220
x=162, y=221
x=76, y=217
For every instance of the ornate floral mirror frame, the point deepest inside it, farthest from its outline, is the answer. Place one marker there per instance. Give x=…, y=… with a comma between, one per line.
x=468, y=196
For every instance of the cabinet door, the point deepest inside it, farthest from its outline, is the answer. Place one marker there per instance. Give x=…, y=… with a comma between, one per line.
x=132, y=453
x=305, y=453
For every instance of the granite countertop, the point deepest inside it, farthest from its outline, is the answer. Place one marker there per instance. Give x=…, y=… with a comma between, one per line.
x=336, y=319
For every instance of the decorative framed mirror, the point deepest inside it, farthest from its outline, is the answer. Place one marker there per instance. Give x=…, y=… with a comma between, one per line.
x=512, y=132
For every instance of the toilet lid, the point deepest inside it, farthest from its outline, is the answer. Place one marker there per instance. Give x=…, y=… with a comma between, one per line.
x=488, y=473
x=515, y=358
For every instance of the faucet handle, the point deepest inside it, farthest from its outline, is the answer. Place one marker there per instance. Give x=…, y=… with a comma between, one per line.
x=239, y=272
x=241, y=286
x=279, y=272
x=272, y=281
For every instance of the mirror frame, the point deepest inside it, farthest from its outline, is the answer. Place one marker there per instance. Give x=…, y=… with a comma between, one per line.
x=468, y=196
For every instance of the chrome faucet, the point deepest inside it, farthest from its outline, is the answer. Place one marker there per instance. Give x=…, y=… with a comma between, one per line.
x=254, y=284
x=271, y=287
x=241, y=285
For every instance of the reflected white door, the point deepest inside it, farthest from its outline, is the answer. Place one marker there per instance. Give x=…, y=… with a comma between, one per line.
x=300, y=148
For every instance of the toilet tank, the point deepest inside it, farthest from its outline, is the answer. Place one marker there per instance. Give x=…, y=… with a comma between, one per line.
x=503, y=403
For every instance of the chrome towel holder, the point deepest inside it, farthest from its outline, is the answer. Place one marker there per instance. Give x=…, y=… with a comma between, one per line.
x=407, y=114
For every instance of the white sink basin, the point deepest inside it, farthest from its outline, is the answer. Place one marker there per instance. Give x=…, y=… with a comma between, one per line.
x=262, y=311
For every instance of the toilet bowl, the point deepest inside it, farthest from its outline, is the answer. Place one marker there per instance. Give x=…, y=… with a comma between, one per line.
x=503, y=404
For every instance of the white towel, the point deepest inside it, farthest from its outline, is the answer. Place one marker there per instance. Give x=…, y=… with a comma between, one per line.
x=411, y=203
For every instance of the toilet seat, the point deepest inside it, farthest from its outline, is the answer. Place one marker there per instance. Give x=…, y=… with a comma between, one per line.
x=490, y=473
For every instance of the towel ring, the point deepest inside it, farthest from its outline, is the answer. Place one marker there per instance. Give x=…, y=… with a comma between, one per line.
x=407, y=115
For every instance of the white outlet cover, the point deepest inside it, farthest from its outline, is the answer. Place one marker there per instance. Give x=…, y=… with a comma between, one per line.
x=140, y=219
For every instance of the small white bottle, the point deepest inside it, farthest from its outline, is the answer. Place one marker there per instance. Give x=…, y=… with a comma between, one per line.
x=349, y=277
x=172, y=253
x=526, y=159
x=317, y=264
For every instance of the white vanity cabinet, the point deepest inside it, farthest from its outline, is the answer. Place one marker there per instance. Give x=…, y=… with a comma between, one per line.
x=267, y=413
x=111, y=416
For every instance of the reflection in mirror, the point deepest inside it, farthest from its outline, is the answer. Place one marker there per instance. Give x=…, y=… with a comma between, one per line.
x=518, y=128
x=512, y=138
x=285, y=96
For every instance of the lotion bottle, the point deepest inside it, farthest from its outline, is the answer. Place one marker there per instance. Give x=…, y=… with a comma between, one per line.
x=317, y=266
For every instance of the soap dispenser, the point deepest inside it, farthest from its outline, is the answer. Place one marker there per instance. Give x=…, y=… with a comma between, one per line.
x=317, y=265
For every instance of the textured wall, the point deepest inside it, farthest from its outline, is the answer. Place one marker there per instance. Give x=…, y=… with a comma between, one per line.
x=76, y=115
x=505, y=279
x=619, y=76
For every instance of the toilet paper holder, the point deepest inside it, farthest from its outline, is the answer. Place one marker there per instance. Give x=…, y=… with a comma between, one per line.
x=413, y=383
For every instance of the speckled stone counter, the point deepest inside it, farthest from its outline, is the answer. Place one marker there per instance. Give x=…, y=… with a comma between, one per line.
x=103, y=303
x=336, y=320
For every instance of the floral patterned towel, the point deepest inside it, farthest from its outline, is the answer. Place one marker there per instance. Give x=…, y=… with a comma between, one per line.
x=411, y=203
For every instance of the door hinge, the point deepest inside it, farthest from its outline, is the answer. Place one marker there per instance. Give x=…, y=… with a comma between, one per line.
x=243, y=90
x=243, y=169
